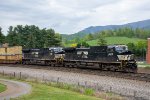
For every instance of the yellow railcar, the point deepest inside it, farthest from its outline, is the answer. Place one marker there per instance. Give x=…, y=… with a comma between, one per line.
x=11, y=54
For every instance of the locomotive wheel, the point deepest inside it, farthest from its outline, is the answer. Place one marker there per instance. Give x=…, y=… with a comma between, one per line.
x=128, y=70
x=72, y=66
x=100, y=66
x=23, y=62
x=108, y=69
x=66, y=65
x=114, y=70
x=46, y=63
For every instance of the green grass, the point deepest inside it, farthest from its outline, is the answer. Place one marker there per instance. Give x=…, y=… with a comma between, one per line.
x=144, y=65
x=89, y=91
x=116, y=40
x=2, y=87
x=45, y=92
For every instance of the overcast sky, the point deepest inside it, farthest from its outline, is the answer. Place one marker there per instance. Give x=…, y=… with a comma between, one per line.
x=70, y=16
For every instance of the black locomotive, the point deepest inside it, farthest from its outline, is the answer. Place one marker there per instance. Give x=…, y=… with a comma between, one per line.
x=112, y=57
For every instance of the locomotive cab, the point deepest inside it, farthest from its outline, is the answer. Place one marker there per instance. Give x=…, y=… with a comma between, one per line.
x=126, y=58
x=123, y=53
x=58, y=53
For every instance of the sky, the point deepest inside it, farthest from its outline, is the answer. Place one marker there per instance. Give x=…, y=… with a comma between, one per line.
x=71, y=16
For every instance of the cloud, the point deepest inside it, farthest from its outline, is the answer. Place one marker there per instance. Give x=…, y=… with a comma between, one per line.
x=70, y=16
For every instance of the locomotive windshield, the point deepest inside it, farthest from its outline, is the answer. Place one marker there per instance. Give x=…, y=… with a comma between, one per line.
x=56, y=49
x=121, y=48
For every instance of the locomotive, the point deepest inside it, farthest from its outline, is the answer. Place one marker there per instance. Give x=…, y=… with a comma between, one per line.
x=111, y=57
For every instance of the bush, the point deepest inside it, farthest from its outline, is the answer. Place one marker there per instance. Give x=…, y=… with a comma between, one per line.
x=88, y=91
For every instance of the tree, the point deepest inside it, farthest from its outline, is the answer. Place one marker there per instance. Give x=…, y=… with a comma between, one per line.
x=82, y=44
x=131, y=46
x=65, y=41
x=101, y=40
x=52, y=38
x=89, y=37
x=76, y=39
x=11, y=37
x=31, y=36
x=2, y=37
x=58, y=39
x=139, y=48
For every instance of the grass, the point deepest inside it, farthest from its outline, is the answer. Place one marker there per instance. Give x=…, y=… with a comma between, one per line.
x=89, y=91
x=45, y=92
x=144, y=65
x=2, y=87
x=147, y=67
x=116, y=40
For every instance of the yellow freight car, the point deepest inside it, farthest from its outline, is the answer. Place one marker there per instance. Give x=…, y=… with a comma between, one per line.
x=11, y=54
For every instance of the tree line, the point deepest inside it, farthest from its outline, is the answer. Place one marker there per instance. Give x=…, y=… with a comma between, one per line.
x=125, y=32
x=31, y=36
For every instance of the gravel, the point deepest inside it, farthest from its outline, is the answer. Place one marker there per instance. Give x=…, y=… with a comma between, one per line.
x=132, y=88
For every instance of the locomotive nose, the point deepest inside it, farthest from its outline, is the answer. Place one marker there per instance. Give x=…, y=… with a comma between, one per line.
x=126, y=57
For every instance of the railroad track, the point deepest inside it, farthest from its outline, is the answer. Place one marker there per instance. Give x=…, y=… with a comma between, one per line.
x=132, y=76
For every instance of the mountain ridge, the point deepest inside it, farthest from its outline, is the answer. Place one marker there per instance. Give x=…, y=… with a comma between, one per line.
x=144, y=24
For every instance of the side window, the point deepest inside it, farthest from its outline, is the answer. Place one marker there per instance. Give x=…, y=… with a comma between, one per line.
x=82, y=54
x=51, y=52
x=124, y=48
x=35, y=54
x=110, y=51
